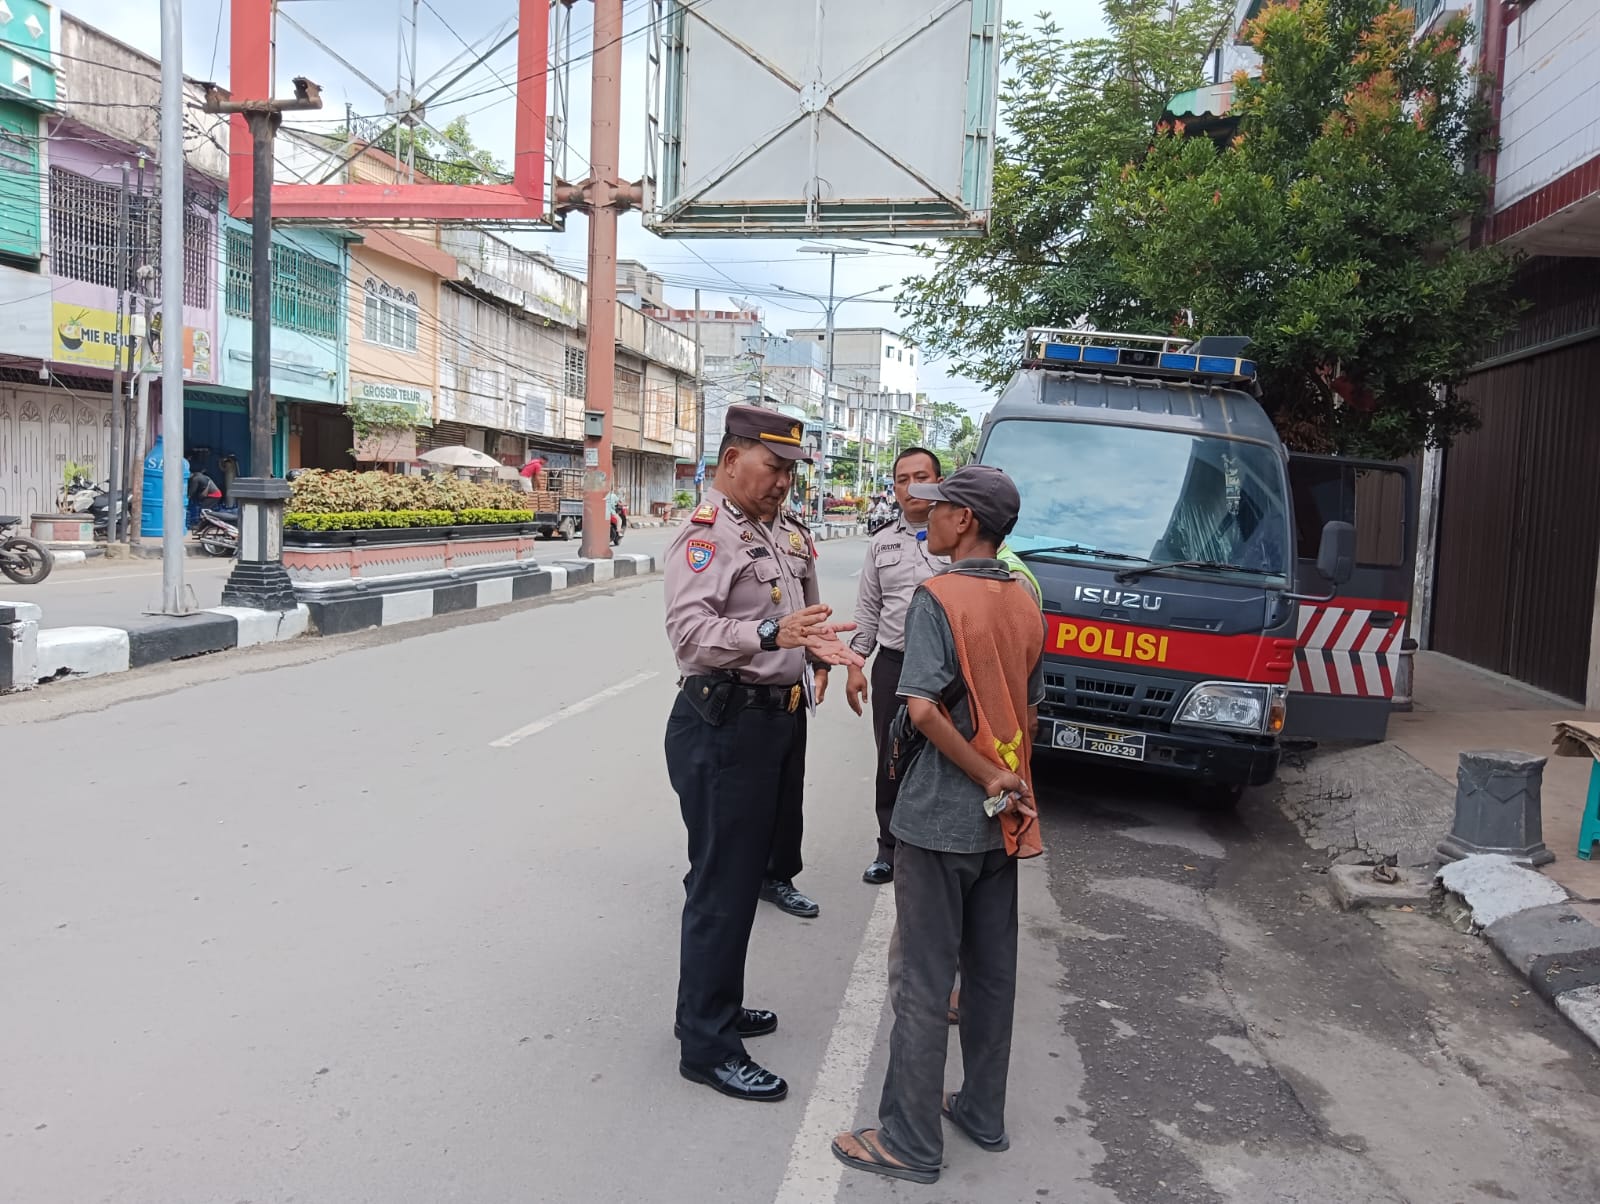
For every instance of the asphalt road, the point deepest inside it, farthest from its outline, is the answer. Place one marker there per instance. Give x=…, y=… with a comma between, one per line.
x=393, y=918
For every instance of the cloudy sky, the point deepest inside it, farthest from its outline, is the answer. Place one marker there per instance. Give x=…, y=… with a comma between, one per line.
x=368, y=33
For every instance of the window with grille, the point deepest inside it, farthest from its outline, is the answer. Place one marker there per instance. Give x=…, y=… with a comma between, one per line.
x=391, y=316
x=86, y=237
x=629, y=390
x=576, y=371
x=305, y=289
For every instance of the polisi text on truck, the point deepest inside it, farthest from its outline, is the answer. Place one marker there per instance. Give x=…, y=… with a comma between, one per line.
x=1117, y=597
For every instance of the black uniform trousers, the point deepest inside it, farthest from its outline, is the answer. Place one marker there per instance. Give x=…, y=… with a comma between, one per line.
x=883, y=682
x=951, y=909
x=739, y=786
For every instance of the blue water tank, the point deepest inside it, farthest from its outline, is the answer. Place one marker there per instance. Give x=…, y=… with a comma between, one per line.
x=150, y=511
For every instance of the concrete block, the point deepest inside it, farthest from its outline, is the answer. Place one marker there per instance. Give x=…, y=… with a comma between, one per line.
x=537, y=584
x=163, y=638
x=579, y=572
x=407, y=607
x=1354, y=886
x=495, y=592
x=82, y=651
x=1582, y=1007
x=1497, y=807
x=453, y=599
x=558, y=576
x=19, y=646
x=343, y=615
x=1495, y=887
x=1556, y=948
x=600, y=570
x=266, y=626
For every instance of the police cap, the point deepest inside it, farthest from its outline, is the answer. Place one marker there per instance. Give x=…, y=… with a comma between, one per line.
x=780, y=434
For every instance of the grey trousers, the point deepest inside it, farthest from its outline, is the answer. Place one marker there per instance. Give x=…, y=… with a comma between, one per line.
x=953, y=910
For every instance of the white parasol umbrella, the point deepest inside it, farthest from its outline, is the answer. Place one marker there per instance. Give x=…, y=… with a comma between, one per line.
x=459, y=457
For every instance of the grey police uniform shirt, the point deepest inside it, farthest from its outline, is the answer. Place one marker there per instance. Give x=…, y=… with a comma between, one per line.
x=897, y=562
x=721, y=573
x=938, y=806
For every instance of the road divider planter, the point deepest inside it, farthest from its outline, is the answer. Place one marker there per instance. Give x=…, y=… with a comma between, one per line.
x=357, y=603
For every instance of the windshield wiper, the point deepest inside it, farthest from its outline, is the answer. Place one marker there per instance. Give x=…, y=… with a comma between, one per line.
x=1078, y=549
x=1126, y=575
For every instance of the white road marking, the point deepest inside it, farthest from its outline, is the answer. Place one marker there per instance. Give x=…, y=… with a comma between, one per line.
x=812, y=1174
x=571, y=709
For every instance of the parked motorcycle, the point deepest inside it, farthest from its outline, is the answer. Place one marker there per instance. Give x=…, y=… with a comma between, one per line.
x=619, y=523
x=217, y=532
x=25, y=561
x=100, y=507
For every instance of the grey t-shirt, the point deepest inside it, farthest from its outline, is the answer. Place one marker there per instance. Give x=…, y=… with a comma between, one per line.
x=938, y=806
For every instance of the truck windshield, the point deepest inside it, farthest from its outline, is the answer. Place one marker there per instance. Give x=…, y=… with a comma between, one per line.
x=1119, y=493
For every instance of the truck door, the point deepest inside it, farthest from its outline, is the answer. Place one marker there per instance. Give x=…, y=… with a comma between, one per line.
x=1343, y=679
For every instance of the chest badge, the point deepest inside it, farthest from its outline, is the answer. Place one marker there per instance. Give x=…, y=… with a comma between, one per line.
x=796, y=544
x=700, y=553
x=747, y=535
x=777, y=594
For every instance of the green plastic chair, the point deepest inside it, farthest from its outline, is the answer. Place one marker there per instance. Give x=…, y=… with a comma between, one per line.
x=1589, y=832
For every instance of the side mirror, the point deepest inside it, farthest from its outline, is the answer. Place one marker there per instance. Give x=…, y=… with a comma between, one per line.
x=1336, y=558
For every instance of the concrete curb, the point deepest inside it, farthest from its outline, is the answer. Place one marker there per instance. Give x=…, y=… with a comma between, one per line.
x=31, y=655
x=58, y=652
x=831, y=530
x=71, y=557
x=387, y=608
x=1551, y=941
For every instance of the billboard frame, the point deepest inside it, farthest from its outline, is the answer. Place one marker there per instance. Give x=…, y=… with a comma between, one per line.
x=524, y=200
x=678, y=208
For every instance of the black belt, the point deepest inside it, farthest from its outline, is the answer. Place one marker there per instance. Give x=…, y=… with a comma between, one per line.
x=756, y=698
x=894, y=654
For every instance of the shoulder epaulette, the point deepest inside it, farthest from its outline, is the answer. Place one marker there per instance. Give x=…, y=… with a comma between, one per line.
x=706, y=515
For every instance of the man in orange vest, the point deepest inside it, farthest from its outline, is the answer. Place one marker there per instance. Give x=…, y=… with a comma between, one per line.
x=964, y=815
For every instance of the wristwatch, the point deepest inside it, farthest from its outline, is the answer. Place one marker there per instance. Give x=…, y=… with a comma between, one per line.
x=768, y=633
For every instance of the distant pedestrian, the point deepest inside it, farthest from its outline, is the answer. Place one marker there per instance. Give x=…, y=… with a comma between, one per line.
x=972, y=681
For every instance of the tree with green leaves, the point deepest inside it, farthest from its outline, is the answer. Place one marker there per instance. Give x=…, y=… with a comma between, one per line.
x=449, y=156
x=1332, y=228
x=1072, y=113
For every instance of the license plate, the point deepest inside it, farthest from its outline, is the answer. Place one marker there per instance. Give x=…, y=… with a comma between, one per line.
x=1100, y=741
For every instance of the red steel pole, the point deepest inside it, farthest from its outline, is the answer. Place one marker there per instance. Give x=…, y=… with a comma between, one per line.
x=605, y=184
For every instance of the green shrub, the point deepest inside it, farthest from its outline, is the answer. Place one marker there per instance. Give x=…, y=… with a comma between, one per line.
x=320, y=491
x=683, y=499
x=366, y=520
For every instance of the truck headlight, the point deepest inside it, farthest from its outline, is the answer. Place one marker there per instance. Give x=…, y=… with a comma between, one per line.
x=1235, y=706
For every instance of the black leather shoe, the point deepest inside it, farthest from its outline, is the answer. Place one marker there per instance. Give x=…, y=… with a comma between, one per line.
x=879, y=873
x=740, y=1078
x=756, y=1022
x=781, y=892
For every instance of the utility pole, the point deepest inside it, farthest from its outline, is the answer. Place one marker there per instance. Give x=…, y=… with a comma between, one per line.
x=699, y=408
x=138, y=389
x=603, y=196
x=173, y=601
x=833, y=254
x=259, y=579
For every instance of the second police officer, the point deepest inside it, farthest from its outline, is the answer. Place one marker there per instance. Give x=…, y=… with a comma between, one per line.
x=897, y=562
x=753, y=645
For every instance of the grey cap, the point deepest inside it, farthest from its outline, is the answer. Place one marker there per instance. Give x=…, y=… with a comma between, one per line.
x=982, y=488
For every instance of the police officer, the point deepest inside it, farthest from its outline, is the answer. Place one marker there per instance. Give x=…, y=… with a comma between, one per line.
x=753, y=646
x=897, y=562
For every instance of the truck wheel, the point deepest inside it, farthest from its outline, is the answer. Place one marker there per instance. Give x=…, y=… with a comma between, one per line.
x=567, y=529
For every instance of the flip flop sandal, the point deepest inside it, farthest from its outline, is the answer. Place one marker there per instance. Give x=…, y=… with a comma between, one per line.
x=997, y=1146
x=878, y=1163
x=953, y=1013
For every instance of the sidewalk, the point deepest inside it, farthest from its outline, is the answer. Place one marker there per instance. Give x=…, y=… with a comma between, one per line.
x=1459, y=707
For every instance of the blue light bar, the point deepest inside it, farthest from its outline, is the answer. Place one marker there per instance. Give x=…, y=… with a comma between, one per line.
x=1140, y=360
